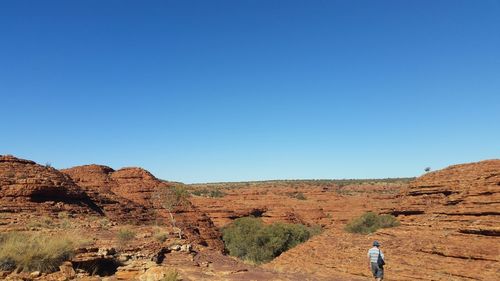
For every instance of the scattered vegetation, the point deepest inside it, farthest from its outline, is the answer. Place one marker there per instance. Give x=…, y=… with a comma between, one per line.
x=249, y=239
x=370, y=222
x=34, y=252
x=297, y=195
x=125, y=235
x=62, y=221
x=301, y=183
x=42, y=222
x=212, y=193
x=353, y=192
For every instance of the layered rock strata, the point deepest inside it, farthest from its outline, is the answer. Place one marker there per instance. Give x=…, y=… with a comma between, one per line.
x=29, y=187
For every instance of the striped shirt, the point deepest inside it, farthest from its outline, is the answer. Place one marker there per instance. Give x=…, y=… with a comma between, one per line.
x=373, y=254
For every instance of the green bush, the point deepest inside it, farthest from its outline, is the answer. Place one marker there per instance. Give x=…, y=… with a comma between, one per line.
x=370, y=222
x=34, y=252
x=249, y=239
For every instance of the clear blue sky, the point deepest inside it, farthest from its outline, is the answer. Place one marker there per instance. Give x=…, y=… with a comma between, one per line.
x=200, y=91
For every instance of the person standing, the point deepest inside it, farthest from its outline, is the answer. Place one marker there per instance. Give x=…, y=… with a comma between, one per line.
x=376, y=264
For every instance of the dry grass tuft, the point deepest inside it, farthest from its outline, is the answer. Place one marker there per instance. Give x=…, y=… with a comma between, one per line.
x=125, y=234
x=34, y=252
x=171, y=275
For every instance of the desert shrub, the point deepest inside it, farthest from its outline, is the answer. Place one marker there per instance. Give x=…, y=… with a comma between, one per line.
x=300, y=196
x=65, y=224
x=63, y=221
x=34, y=252
x=63, y=215
x=297, y=195
x=216, y=193
x=42, y=222
x=370, y=222
x=171, y=275
x=104, y=222
x=125, y=235
x=249, y=239
x=386, y=221
x=161, y=236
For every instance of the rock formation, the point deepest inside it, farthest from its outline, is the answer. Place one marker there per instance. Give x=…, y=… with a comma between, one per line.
x=98, y=183
x=29, y=187
x=123, y=196
x=465, y=197
x=128, y=195
x=24, y=178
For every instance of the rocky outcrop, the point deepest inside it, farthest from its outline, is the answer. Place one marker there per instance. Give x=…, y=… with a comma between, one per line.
x=464, y=197
x=27, y=186
x=123, y=196
x=129, y=195
x=24, y=178
x=98, y=183
x=136, y=184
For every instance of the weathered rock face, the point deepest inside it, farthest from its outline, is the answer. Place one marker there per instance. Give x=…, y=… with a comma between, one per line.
x=92, y=177
x=128, y=195
x=27, y=186
x=98, y=183
x=459, y=190
x=123, y=196
x=271, y=206
x=24, y=178
x=320, y=204
x=136, y=184
x=467, y=195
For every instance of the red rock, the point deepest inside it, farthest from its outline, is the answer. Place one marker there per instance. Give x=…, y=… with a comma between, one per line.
x=98, y=183
x=28, y=187
x=128, y=195
x=24, y=178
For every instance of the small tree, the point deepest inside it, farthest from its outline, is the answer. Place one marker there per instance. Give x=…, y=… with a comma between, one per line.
x=171, y=198
x=428, y=169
